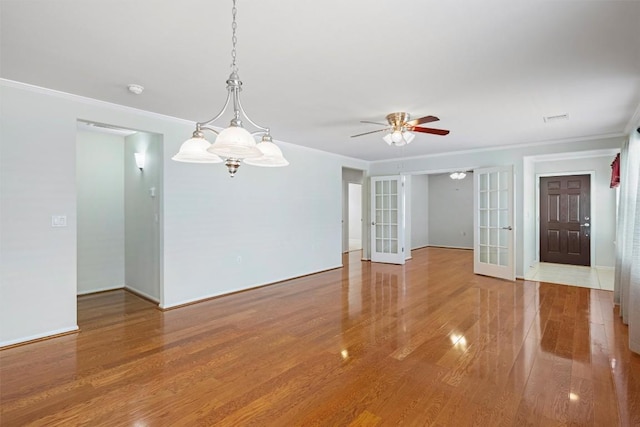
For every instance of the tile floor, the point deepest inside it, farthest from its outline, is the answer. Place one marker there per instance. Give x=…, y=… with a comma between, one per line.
x=586, y=277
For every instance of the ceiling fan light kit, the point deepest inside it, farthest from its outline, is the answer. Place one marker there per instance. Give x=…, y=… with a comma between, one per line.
x=398, y=138
x=234, y=143
x=400, y=128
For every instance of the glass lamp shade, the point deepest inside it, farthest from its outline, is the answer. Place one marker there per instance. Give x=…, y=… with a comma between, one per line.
x=194, y=150
x=408, y=137
x=271, y=156
x=235, y=142
x=398, y=138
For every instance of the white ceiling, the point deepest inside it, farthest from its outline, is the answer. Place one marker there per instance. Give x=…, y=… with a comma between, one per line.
x=313, y=69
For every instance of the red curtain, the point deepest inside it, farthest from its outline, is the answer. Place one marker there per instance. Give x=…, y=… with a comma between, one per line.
x=615, y=172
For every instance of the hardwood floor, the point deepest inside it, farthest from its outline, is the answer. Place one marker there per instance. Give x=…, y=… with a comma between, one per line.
x=428, y=343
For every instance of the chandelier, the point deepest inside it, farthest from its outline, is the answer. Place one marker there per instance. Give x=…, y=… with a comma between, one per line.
x=233, y=144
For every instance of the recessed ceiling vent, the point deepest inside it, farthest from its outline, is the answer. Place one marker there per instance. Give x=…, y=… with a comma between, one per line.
x=556, y=118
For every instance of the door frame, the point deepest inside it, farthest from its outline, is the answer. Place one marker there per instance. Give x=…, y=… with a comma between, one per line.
x=592, y=221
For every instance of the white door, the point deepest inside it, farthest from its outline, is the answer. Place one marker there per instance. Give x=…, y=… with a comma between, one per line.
x=494, y=233
x=387, y=219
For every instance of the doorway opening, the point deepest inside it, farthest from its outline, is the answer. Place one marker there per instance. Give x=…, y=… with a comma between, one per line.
x=118, y=210
x=355, y=216
x=353, y=213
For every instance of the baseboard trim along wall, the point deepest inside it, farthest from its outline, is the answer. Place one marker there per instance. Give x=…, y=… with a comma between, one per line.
x=142, y=295
x=96, y=291
x=210, y=297
x=39, y=337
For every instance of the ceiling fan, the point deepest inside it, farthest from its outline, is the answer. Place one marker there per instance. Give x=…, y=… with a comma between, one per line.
x=400, y=127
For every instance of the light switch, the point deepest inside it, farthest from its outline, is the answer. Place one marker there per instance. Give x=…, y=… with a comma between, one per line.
x=58, y=220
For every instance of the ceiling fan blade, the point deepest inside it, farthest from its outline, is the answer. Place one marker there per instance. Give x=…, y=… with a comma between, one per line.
x=373, y=131
x=374, y=123
x=431, y=130
x=421, y=120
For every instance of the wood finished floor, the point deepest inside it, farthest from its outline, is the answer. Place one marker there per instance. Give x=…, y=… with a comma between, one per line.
x=428, y=343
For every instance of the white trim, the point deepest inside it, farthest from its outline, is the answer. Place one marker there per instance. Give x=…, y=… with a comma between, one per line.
x=571, y=155
x=233, y=291
x=633, y=121
x=91, y=101
x=39, y=336
x=506, y=147
x=466, y=248
x=142, y=294
x=592, y=215
x=95, y=291
x=131, y=110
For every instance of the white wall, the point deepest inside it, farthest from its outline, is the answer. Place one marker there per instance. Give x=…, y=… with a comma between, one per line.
x=37, y=180
x=100, y=211
x=142, y=197
x=451, y=211
x=494, y=157
x=355, y=211
x=603, y=204
x=218, y=234
x=419, y=211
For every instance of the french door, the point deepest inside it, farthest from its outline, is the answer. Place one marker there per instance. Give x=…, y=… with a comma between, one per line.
x=387, y=219
x=494, y=234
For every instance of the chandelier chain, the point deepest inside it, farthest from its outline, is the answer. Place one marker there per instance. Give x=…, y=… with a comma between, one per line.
x=234, y=38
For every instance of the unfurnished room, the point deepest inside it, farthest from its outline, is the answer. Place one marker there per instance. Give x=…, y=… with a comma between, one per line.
x=337, y=213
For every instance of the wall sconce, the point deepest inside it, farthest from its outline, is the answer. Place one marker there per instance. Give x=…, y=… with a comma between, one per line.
x=140, y=160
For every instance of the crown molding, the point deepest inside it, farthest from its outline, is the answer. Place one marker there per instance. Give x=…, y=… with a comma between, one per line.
x=506, y=147
x=91, y=101
x=634, y=122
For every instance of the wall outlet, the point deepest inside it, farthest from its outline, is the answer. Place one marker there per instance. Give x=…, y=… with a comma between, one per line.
x=58, y=220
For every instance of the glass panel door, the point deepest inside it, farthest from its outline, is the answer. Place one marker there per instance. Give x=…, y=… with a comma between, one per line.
x=494, y=235
x=387, y=219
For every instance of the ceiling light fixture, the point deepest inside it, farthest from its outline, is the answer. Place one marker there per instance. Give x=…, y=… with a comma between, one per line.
x=135, y=89
x=399, y=138
x=458, y=175
x=235, y=143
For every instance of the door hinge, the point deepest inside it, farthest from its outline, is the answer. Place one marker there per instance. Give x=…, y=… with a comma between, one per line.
x=402, y=249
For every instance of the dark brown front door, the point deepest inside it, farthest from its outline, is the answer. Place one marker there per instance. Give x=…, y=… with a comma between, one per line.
x=565, y=219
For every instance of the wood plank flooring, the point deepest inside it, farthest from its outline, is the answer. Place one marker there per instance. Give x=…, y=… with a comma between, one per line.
x=428, y=343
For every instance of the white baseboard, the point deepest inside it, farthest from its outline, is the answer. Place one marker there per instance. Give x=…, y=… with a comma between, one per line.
x=142, y=294
x=232, y=291
x=95, y=291
x=38, y=336
x=450, y=247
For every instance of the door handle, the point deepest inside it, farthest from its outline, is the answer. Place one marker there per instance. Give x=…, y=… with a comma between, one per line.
x=507, y=228
x=373, y=223
x=586, y=224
